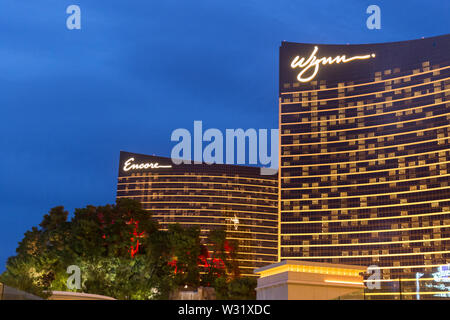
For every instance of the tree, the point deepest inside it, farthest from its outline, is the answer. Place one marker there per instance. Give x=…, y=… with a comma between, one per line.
x=122, y=254
x=185, y=248
x=24, y=275
x=103, y=241
x=235, y=289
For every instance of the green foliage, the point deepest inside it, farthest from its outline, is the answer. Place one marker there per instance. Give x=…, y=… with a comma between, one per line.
x=242, y=289
x=24, y=275
x=121, y=278
x=56, y=218
x=235, y=289
x=122, y=254
x=185, y=244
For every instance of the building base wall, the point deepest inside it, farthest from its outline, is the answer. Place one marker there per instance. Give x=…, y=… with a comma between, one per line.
x=293, y=280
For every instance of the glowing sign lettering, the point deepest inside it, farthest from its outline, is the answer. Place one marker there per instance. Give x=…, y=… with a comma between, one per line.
x=129, y=165
x=312, y=63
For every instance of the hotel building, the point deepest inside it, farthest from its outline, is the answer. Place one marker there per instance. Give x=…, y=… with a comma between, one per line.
x=236, y=198
x=365, y=158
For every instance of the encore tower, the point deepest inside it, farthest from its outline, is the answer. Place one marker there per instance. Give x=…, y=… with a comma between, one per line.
x=365, y=155
x=236, y=198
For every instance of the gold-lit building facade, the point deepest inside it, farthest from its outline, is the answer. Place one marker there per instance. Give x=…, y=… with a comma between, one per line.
x=235, y=198
x=365, y=157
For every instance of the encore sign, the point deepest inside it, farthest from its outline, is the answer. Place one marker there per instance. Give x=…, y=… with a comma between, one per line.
x=129, y=165
x=312, y=64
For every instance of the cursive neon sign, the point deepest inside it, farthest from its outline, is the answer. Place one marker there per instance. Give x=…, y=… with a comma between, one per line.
x=129, y=165
x=312, y=64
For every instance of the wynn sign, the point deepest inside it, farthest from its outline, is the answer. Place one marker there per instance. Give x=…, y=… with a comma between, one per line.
x=312, y=64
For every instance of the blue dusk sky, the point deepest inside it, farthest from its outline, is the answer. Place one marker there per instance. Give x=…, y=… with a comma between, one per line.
x=72, y=99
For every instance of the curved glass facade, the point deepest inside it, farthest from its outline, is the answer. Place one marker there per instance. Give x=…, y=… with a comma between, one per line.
x=364, y=155
x=236, y=198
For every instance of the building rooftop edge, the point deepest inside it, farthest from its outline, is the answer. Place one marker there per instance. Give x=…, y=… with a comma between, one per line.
x=438, y=37
x=309, y=264
x=202, y=163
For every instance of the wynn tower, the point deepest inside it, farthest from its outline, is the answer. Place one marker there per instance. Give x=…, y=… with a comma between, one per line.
x=365, y=158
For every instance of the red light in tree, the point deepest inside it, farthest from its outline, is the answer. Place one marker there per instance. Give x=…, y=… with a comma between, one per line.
x=204, y=256
x=173, y=263
x=135, y=248
x=218, y=263
x=228, y=248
